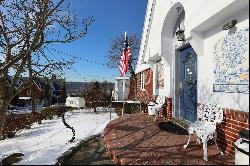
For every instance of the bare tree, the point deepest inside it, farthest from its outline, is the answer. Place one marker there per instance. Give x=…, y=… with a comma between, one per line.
x=116, y=48
x=27, y=29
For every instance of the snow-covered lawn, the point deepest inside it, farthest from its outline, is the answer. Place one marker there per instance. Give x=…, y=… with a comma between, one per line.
x=44, y=143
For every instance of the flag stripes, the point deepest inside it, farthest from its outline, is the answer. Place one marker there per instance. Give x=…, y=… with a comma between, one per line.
x=126, y=55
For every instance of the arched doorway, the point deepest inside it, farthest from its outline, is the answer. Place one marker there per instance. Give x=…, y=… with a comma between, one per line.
x=180, y=58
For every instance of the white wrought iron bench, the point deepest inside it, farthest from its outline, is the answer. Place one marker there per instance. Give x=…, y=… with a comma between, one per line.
x=208, y=115
x=155, y=107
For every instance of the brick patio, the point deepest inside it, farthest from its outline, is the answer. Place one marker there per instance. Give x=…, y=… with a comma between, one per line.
x=136, y=139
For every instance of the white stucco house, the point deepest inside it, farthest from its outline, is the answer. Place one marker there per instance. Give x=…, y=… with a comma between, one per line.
x=117, y=94
x=197, y=51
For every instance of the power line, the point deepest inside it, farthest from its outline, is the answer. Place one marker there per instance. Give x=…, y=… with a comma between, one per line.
x=87, y=60
x=71, y=67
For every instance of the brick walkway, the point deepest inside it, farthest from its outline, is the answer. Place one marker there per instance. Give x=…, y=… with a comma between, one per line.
x=137, y=139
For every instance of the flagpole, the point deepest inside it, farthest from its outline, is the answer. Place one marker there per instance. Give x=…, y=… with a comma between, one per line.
x=125, y=36
x=123, y=96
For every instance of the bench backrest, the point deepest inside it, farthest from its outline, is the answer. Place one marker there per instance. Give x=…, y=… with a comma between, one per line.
x=210, y=113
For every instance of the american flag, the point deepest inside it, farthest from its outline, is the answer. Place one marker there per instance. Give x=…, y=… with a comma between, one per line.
x=126, y=54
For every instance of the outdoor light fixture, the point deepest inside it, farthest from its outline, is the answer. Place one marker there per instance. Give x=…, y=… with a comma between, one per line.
x=229, y=25
x=180, y=35
x=180, y=32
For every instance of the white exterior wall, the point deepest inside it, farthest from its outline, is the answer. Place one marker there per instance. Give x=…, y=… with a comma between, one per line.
x=203, y=27
x=237, y=101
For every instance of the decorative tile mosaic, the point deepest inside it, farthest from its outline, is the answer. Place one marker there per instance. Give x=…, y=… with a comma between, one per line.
x=231, y=58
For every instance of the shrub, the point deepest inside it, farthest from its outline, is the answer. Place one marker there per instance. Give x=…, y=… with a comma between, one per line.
x=130, y=108
x=16, y=122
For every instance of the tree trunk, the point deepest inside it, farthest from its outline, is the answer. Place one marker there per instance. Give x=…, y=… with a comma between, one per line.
x=3, y=109
x=31, y=87
x=4, y=99
x=94, y=106
x=131, y=70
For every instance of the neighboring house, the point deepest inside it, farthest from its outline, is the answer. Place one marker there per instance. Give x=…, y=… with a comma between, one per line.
x=41, y=91
x=46, y=91
x=27, y=91
x=186, y=56
x=117, y=94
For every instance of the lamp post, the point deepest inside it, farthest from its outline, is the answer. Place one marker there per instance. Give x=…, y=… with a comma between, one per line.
x=180, y=35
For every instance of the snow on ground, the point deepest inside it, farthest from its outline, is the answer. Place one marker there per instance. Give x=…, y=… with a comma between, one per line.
x=44, y=143
x=24, y=110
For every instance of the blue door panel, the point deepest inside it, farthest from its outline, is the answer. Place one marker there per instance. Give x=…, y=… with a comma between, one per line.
x=188, y=79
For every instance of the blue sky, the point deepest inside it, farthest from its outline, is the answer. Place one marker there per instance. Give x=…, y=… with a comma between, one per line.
x=112, y=17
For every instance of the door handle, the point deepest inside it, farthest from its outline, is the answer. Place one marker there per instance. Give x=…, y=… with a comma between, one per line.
x=180, y=87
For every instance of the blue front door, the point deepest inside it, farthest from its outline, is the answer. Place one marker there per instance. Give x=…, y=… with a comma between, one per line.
x=188, y=84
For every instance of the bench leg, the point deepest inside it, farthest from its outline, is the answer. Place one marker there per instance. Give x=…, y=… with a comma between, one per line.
x=185, y=146
x=215, y=141
x=198, y=140
x=205, y=149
